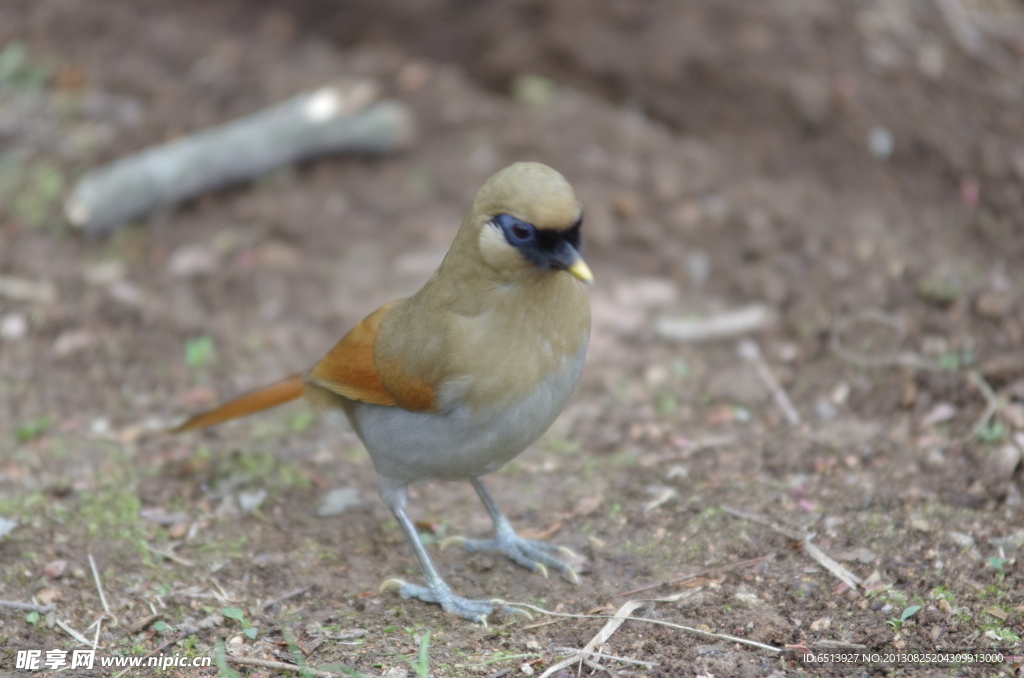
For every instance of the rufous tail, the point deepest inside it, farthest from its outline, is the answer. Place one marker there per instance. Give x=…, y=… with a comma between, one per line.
x=257, y=401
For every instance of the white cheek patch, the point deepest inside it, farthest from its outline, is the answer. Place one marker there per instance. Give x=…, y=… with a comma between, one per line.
x=496, y=251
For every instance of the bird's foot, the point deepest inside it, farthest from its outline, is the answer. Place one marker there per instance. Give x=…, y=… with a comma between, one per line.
x=473, y=610
x=530, y=553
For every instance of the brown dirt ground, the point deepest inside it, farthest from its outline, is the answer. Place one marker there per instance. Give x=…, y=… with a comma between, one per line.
x=720, y=150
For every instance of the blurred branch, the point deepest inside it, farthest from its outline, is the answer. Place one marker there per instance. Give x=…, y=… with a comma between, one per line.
x=960, y=24
x=328, y=120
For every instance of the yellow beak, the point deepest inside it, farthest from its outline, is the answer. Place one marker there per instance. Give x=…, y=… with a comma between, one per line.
x=581, y=271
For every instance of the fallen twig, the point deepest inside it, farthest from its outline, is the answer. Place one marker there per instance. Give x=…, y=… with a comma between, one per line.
x=99, y=584
x=992, y=404
x=602, y=655
x=751, y=352
x=960, y=25
x=20, y=289
x=328, y=120
x=840, y=572
x=601, y=638
x=141, y=624
x=822, y=558
x=838, y=645
x=169, y=555
x=714, y=570
x=28, y=607
x=657, y=622
x=75, y=634
x=793, y=534
x=288, y=596
x=665, y=494
x=718, y=326
x=280, y=666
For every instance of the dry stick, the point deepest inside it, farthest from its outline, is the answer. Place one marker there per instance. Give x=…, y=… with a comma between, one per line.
x=30, y=607
x=713, y=570
x=600, y=639
x=288, y=596
x=767, y=522
x=310, y=124
x=602, y=655
x=841, y=573
x=992, y=404
x=751, y=352
x=280, y=666
x=656, y=622
x=717, y=326
x=999, y=24
x=169, y=556
x=21, y=289
x=141, y=624
x=838, y=645
x=75, y=634
x=959, y=21
x=99, y=585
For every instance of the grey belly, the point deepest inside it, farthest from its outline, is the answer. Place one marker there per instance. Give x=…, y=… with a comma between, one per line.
x=457, y=444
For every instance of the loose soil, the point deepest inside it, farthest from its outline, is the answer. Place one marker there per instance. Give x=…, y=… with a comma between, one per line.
x=721, y=150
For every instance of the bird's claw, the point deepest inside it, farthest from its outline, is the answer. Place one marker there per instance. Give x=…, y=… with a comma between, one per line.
x=529, y=553
x=391, y=584
x=473, y=610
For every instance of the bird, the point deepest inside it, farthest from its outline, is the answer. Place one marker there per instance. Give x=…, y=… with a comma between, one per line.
x=458, y=379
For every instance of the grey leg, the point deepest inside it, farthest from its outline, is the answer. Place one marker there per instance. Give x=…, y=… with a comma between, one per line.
x=394, y=495
x=529, y=553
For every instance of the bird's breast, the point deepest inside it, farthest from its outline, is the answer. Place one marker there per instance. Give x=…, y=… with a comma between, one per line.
x=464, y=439
x=513, y=347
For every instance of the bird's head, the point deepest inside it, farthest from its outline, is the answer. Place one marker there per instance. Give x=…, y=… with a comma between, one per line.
x=527, y=219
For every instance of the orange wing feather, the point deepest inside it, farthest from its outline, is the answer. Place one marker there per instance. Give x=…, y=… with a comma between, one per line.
x=348, y=370
x=351, y=371
x=257, y=401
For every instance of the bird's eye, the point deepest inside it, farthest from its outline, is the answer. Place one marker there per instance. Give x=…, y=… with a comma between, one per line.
x=517, y=232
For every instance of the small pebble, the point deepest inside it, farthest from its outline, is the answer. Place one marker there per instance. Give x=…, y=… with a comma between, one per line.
x=1013, y=413
x=55, y=569
x=820, y=625
x=993, y=305
x=105, y=273
x=72, y=341
x=698, y=267
x=881, y=142
x=825, y=410
x=1002, y=462
x=13, y=326
x=192, y=260
x=251, y=500
x=931, y=60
